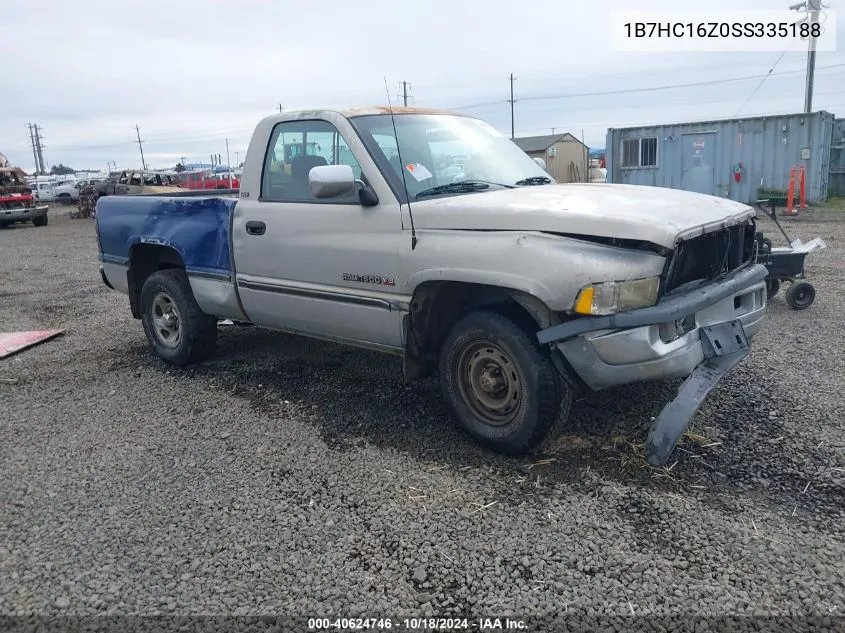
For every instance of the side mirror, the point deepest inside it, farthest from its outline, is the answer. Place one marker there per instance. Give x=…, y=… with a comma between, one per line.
x=328, y=181
x=541, y=163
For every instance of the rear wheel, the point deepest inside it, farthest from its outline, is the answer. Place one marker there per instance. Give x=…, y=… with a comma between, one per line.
x=502, y=388
x=176, y=328
x=800, y=295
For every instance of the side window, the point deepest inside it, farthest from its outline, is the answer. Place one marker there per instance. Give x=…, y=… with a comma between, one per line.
x=295, y=148
x=124, y=179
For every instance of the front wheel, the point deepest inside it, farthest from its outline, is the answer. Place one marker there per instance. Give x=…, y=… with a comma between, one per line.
x=499, y=384
x=800, y=295
x=176, y=328
x=40, y=221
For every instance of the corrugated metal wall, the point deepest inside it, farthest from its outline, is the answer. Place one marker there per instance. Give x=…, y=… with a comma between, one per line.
x=569, y=162
x=766, y=146
x=837, y=159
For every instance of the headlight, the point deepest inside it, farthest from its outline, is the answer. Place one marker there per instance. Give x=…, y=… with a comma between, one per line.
x=617, y=296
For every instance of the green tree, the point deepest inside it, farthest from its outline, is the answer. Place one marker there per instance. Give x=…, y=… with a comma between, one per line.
x=61, y=170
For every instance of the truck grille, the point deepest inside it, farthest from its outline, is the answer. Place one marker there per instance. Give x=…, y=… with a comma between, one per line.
x=709, y=256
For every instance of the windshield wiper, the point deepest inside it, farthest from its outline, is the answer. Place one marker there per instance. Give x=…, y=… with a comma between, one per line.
x=534, y=180
x=462, y=186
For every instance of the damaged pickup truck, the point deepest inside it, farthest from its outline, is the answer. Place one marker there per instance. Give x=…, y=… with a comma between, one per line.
x=17, y=203
x=350, y=226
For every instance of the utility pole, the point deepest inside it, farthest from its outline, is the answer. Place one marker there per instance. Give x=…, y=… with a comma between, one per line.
x=141, y=147
x=405, y=85
x=511, y=101
x=237, y=162
x=553, y=130
x=280, y=108
x=812, y=7
x=34, y=154
x=39, y=149
x=228, y=163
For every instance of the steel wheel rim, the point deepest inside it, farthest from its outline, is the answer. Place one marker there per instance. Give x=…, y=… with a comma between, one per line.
x=167, y=323
x=489, y=383
x=801, y=296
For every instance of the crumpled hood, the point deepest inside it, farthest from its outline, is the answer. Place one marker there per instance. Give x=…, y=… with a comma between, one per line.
x=655, y=214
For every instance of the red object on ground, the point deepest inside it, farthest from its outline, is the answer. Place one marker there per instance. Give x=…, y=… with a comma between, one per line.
x=13, y=342
x=802, y=198
x=790, y=194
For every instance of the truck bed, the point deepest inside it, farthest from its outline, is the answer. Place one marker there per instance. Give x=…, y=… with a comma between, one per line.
x=198, y=228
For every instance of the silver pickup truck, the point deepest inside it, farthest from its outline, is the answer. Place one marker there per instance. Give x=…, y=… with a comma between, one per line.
x=429, y=235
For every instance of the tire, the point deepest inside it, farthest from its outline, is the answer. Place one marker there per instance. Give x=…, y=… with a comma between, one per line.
x=42, y=221
x=530, y=400
x=772, y=287
x=800, y=295
x=64, y=199
x=176, y=328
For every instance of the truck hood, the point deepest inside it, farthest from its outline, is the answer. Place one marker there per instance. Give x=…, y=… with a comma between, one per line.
x=653, y=214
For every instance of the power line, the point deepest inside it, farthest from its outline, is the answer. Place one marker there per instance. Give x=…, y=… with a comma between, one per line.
x=762, y=81
x=605, y=93
x=617, y=125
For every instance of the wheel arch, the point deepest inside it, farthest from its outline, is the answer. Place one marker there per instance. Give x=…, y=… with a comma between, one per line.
x=436, y=305
x=144, y=260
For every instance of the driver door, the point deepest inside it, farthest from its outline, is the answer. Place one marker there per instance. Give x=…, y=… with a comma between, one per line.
x=325, y=267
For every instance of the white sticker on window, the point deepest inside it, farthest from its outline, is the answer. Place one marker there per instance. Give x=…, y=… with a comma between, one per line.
x=418, y=171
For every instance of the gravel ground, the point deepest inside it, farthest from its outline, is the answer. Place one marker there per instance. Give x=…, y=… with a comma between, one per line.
x=292, y=476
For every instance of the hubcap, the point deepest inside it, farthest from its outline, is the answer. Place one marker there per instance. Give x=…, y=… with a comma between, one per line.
x=489, y=383
x=166, y=321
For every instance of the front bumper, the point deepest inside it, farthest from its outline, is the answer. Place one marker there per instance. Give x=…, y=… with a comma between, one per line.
x=627, y=347
x=7, y=216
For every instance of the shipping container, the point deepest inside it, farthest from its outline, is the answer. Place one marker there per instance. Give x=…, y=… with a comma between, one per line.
x=740, y=158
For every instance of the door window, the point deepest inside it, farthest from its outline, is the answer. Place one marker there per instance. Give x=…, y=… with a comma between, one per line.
x=295, y=148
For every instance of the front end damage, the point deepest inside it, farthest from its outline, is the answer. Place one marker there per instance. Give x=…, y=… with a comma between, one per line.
x=712, y=303
x=17, y=203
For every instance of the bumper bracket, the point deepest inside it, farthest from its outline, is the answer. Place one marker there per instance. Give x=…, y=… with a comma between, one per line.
x=677, y=415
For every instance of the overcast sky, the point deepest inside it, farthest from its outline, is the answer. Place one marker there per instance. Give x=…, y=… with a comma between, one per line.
x=192, y=73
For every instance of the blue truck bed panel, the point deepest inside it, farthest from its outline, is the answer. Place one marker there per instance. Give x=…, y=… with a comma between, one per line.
x=197, y=228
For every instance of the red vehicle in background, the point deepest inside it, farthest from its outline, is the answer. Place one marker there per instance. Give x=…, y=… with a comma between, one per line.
x=207, y=179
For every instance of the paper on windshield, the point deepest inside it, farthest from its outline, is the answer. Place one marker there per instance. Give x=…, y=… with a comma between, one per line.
x=418, y=171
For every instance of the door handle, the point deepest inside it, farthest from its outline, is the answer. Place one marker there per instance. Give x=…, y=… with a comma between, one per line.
x=253, y=227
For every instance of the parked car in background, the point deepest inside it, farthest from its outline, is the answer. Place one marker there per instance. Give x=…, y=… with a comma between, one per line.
x=207, y=179
x=44, y=190
x=132, y=181
x=17, y=203
x=66, y=193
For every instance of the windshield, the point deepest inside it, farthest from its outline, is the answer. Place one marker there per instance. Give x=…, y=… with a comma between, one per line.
x=442, y=149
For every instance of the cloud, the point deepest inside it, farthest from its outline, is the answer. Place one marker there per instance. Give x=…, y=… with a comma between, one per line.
x=191, y=74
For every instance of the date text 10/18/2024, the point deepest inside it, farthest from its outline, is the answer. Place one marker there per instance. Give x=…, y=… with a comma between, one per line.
x=416, y=624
